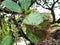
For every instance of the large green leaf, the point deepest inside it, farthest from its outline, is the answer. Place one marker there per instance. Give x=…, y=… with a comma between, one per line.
x=29, y=34
x=32, y=37
x=7, y=40
x=11, y=5
x=33, y=19
x=25, y=4
x=34, y=34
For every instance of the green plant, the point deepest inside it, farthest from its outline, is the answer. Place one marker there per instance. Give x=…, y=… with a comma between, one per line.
x=31, y=22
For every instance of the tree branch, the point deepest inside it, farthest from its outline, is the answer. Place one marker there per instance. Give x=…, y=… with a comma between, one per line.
x=54, y=2
x=42, y=5
x=32, y=2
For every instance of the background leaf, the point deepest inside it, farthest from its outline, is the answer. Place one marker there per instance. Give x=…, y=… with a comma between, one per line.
x=7, y=40
x=25, y=4
x=11, y=5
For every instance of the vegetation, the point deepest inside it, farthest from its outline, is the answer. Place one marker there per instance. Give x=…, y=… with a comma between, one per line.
x=24, y=22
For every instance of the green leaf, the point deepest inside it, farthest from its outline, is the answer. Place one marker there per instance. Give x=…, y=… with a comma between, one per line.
x=29, y=34
x=35, y=35
x=9, y=4
x=25, y=4
x=7, y=40
x=33, y=19
x=32, y=37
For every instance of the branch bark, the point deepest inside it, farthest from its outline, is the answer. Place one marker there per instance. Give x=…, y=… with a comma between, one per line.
x=42, y=5
x=53, y=15
x=54, y=3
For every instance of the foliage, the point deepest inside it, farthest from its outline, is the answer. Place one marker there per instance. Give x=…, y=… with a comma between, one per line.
x=33, y=24
x=7, y=40
x=34, y=18
x=25, y=4
x=11, y=5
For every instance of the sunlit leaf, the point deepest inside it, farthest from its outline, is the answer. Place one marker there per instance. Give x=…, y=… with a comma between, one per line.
x=33, y=19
